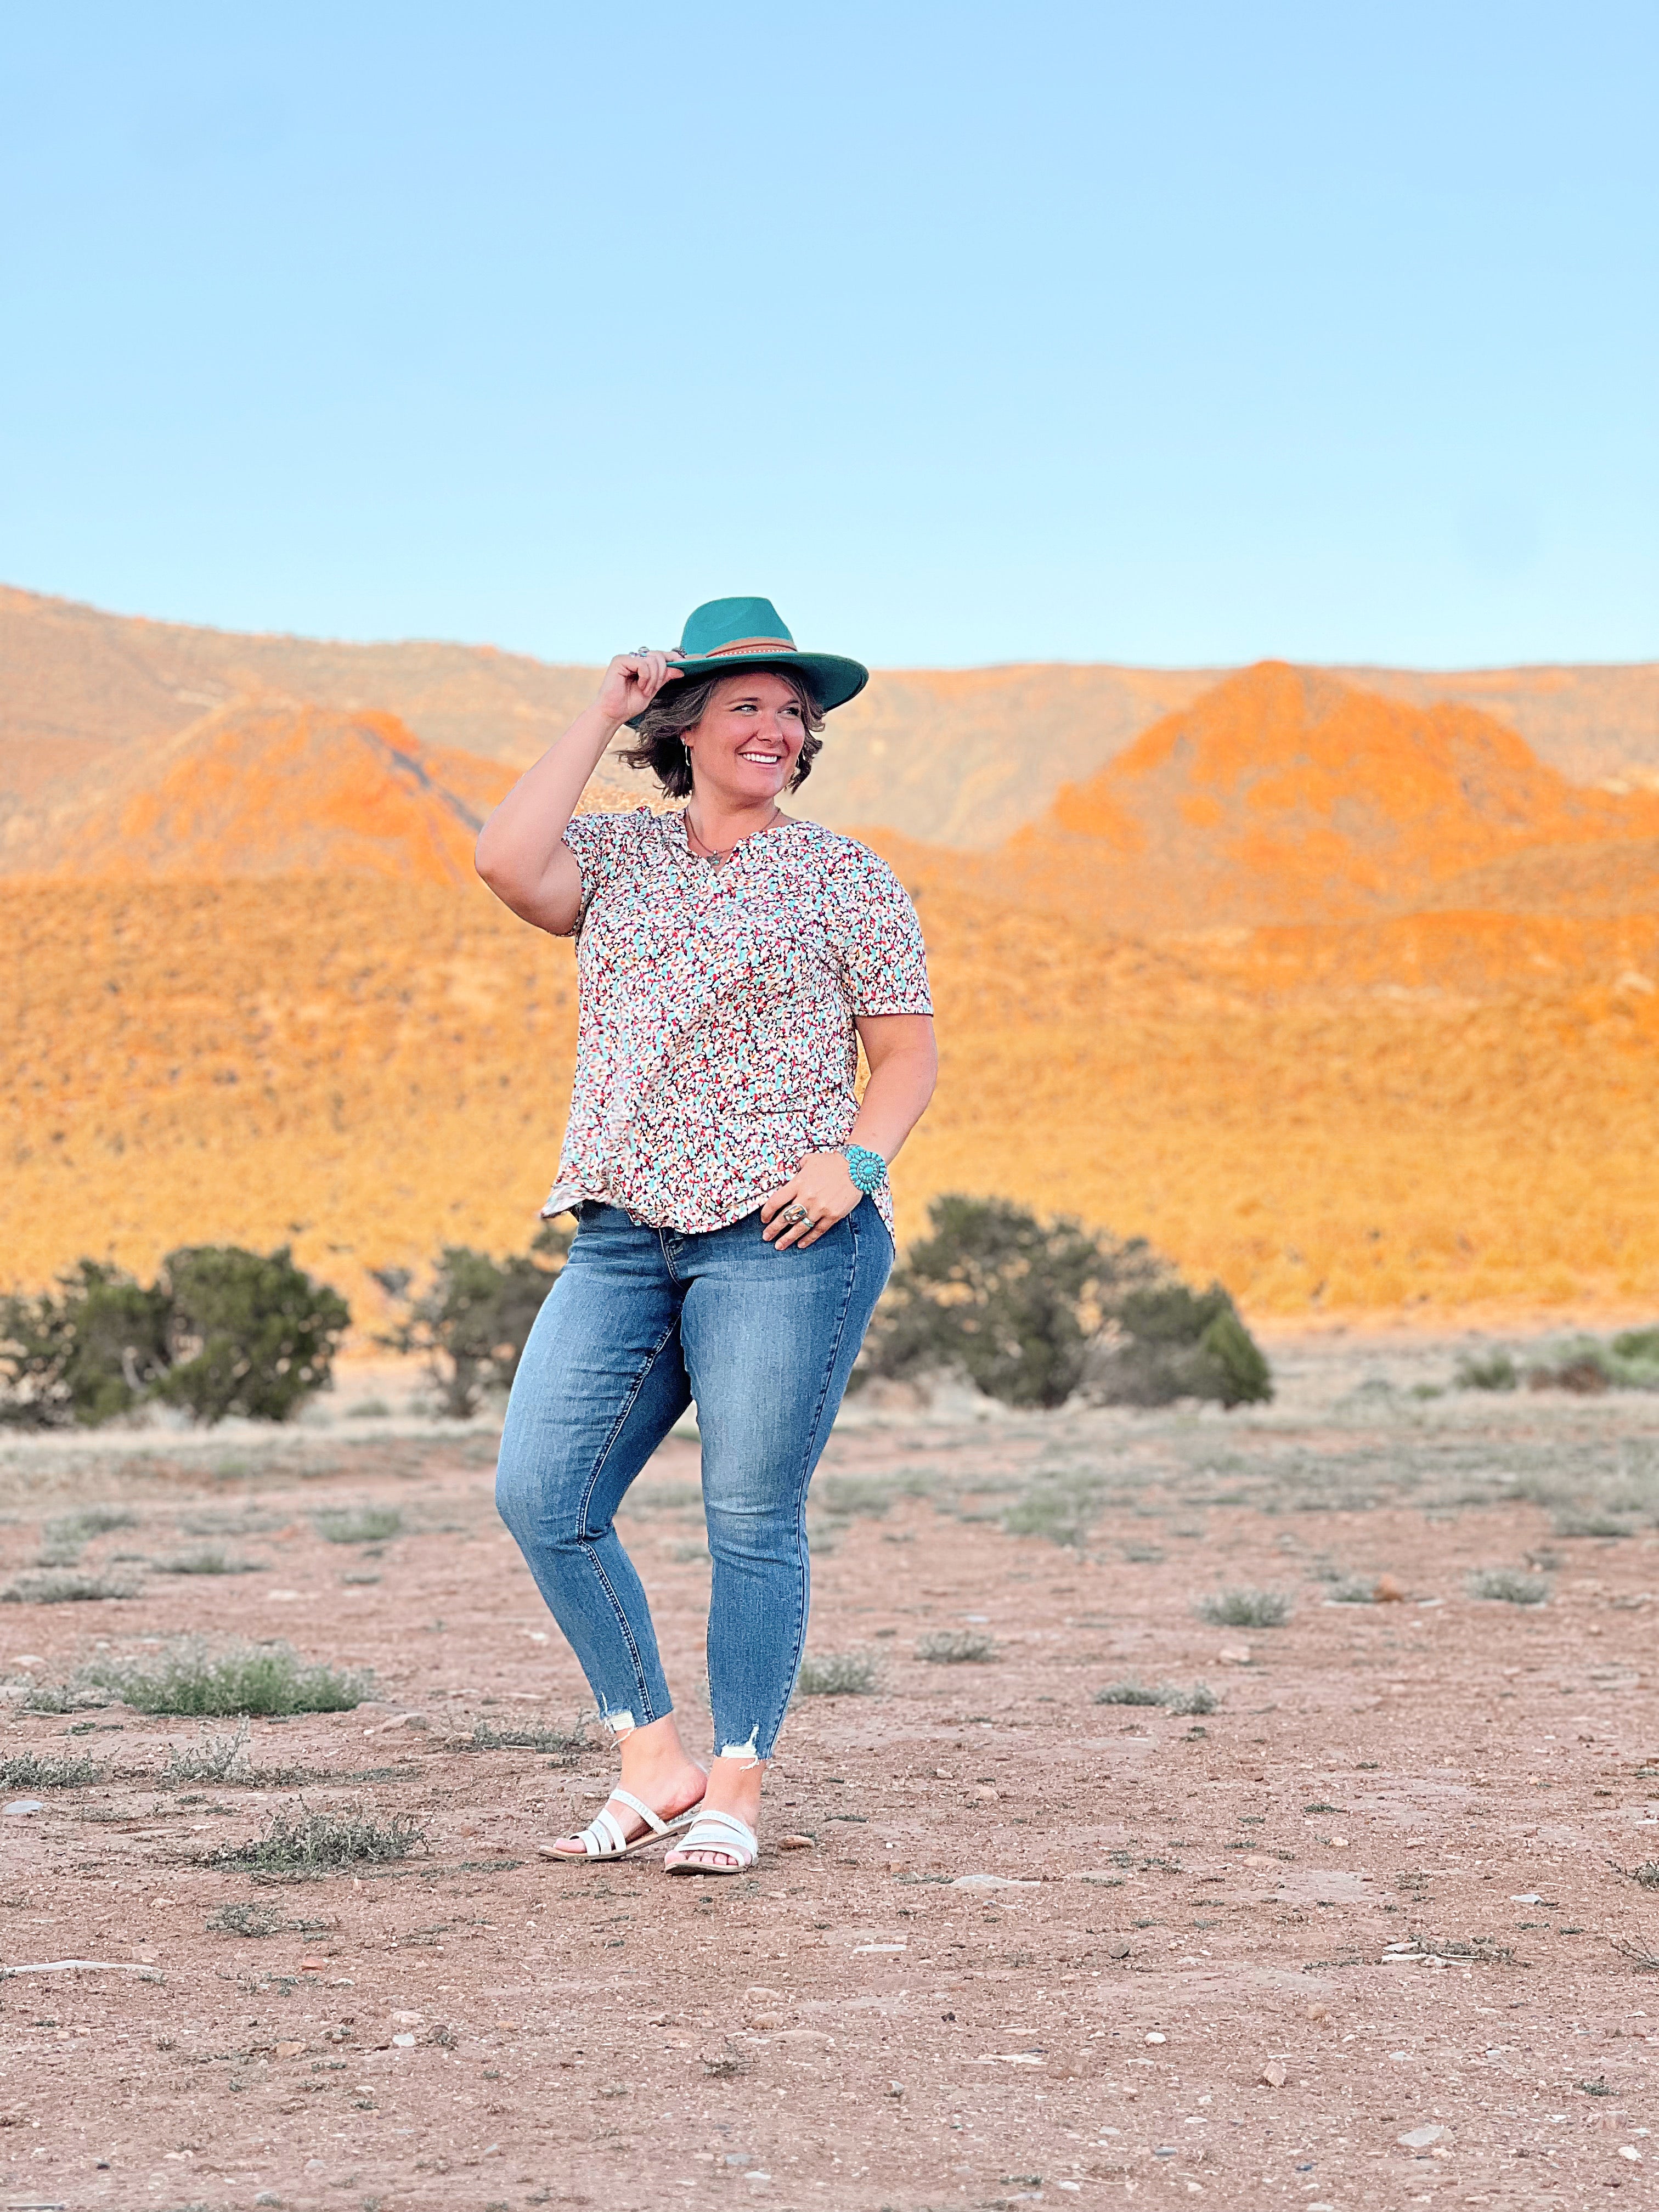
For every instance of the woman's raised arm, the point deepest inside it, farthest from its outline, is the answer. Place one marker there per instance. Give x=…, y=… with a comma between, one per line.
x=521, y=853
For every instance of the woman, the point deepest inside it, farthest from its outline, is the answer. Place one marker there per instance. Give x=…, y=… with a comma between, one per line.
x=734, y=1227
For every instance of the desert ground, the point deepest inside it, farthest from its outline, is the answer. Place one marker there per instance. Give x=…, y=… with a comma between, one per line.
x=1365, y=1914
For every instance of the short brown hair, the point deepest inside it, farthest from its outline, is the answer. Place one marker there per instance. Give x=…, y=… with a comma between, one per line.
x=678, y=708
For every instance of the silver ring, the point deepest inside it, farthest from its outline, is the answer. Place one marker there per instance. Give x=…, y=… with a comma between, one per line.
x=794, y=1214
x=641, y=652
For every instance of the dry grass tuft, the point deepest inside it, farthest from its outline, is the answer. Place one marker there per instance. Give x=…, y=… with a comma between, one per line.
x=30, y=1770
x=66, y=1586
x=957, y=1647
x=839, y=1674
x=1244, y=1608
x=251, y=1678
x=562, y=1743
x=358, y=1524
x=210, y=1759
x=1197, y=1698
x=318, y=1843
x=207, y=1562
x=1508, y=1586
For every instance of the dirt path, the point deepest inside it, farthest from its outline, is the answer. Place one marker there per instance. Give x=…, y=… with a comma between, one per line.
x=1036, y=1948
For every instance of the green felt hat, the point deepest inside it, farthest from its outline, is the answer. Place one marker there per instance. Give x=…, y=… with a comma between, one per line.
x=726, y=636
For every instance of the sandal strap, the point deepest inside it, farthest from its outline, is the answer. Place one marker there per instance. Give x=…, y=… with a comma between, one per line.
x=654, y=1822
x=602, y=1838
x=720, y=1831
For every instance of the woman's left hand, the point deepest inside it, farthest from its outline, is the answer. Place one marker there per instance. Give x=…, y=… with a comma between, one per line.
x=823, y=1186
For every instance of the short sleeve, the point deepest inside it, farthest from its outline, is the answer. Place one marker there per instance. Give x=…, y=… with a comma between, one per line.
x=594, y=842
x=881, y=947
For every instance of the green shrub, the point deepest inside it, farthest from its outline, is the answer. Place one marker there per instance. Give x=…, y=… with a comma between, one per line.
x=472, y=1323
x=220, y=1331
x=1585, y=1370
x=1633, y=1359
x=1586, y=1365
x=1237, y=1363
x=1495, y=1371
x=247, y=1678
x=999, y=1295
x=1168, y=1341
x=247, y=1333
x=83, y=1356
x=1031, y=1311
x=1245, y=1608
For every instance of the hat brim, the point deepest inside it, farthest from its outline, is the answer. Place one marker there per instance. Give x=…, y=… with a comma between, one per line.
x=833, y=680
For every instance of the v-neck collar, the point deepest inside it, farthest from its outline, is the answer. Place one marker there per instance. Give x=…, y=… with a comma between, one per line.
x=717, y=869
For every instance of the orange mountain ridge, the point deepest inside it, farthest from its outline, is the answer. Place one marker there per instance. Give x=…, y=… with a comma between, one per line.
x=281, y=791
x=957, y=756
x=272, y=789
x=1283, y=796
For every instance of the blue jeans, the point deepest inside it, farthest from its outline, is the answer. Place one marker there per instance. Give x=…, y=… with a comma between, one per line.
x=640, y=1323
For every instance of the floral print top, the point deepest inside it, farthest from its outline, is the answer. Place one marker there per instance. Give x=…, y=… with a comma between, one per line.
x=716, y=1046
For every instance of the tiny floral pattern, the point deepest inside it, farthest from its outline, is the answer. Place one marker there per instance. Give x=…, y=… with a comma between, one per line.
x=715, y=1047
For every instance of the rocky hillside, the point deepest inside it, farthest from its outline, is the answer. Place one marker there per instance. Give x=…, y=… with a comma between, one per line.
x=281, y=791
x=1282, y=795
x=961, y=757
x=1418, y=1116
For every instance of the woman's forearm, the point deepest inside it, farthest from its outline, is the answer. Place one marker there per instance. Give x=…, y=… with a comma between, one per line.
x=521, y=853
x=522, y=843
x=895, y=1097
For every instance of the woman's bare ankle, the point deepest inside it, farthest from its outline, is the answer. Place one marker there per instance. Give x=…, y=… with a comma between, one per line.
x=656, y=1764
x=734, y=1786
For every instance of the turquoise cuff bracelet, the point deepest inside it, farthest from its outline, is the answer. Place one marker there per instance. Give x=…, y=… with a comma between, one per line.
x=868, y=1169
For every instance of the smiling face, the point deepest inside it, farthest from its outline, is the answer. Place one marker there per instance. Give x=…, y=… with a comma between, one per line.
x=743, y=750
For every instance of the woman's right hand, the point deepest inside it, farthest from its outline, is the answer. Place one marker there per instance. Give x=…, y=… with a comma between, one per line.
x=633, y=681
x=521, y=853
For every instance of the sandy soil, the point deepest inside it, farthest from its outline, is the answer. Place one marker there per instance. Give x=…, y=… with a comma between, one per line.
x=1035, y=1950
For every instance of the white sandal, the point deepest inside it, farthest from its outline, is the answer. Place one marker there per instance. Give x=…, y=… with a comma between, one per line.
x=715, y=1832
x=605, y=1838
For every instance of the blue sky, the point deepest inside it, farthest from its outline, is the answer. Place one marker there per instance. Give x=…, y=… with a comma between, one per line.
x=1181, y=334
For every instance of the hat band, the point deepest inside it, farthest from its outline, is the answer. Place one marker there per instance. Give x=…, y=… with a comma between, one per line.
x=748, y=645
